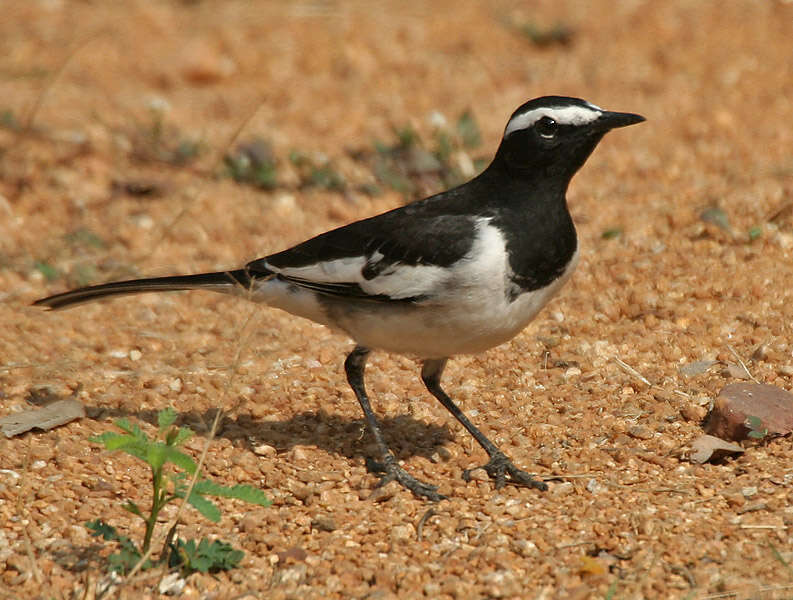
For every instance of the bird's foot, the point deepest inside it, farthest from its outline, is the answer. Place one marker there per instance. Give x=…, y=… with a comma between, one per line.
x=501, y=471
x=391, y=471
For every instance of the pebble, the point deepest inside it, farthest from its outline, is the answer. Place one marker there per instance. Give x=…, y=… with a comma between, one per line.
x=691, y=412
x=172, y=584
x=640, y=432
x=265, y=450
x=324, y=524
x=562, y=489
x=738, y=402
x=298, y=453
x=593, y=487
x=135, y=355
x=402, y=533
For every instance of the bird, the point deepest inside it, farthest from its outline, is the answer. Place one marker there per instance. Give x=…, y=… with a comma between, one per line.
x=456, y=273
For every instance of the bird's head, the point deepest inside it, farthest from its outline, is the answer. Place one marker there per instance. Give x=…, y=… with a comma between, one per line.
x=553, y=136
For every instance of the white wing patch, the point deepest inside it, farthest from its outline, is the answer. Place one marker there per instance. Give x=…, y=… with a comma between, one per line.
x=397, y=281
x=564, y=115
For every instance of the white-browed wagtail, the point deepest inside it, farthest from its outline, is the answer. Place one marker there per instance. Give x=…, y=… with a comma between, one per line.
x=456, y=273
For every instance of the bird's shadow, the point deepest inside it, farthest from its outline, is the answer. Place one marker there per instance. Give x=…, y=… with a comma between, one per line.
x=404, y=435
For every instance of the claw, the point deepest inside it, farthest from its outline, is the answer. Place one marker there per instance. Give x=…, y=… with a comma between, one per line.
x=391, y=471
x=499, y=467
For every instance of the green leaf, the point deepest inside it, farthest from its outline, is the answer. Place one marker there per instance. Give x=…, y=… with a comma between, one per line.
x=206, y=507
x=124, y=442
x=755, y=232
x=106, y=438
x=753, y=422
x=180, y=459
x=757, y=435
x=243, y=492
x=206, y=557
x=156, y=454
x=610, y=234
x=130, y=506
x=125, y=425
x=166, y=418
x=101, y=529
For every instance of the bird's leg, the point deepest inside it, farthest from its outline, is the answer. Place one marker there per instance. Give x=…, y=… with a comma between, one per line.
x=354, y=367
x=499, y=467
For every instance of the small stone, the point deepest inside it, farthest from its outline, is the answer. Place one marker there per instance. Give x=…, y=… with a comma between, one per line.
x=786, y=370
x=771, y=407
x=478, y=475
x=640, y=432
x=384, y=492
x=691, y=412
x=562, y=489
x=172, y=584
x=738, y=371
x=441, y=454
x=402, y=533
x=265, y=450
x=135, y=355
x=249, y=524
x=298, y=454
x=324, y=524
x=525, y=548
x=175, y=384
x=696, y=368
x=592, y=486
x=749, y=491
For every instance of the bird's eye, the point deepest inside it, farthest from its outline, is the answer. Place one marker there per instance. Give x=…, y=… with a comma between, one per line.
x=546, y=127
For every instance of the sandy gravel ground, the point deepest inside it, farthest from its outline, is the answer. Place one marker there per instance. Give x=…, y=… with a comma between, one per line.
x=82, y=84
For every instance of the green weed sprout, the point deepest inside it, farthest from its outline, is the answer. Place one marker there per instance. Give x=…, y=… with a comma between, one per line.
x=167, y=487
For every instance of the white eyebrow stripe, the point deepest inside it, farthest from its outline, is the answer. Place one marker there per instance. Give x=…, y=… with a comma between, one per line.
x=565, y=115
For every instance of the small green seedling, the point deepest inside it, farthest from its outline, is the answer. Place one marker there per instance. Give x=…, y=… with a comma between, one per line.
x=253, y=163
x=158, y=452
x=756, y=429
x=204, y=557
x=611, y=233
x=49, y=272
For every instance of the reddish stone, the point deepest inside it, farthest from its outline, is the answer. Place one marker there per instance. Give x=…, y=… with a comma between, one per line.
x=737, y=402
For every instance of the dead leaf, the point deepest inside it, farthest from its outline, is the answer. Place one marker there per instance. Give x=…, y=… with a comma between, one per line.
x=52, y=415
x=708, y=447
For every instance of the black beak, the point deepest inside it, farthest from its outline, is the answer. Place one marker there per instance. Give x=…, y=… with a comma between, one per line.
x=612, y=120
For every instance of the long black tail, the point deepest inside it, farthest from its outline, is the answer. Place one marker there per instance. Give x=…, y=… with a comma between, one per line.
x=220, y=281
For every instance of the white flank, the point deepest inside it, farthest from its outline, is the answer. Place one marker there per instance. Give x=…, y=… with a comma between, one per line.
x=564, y=115
x=398, y=281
